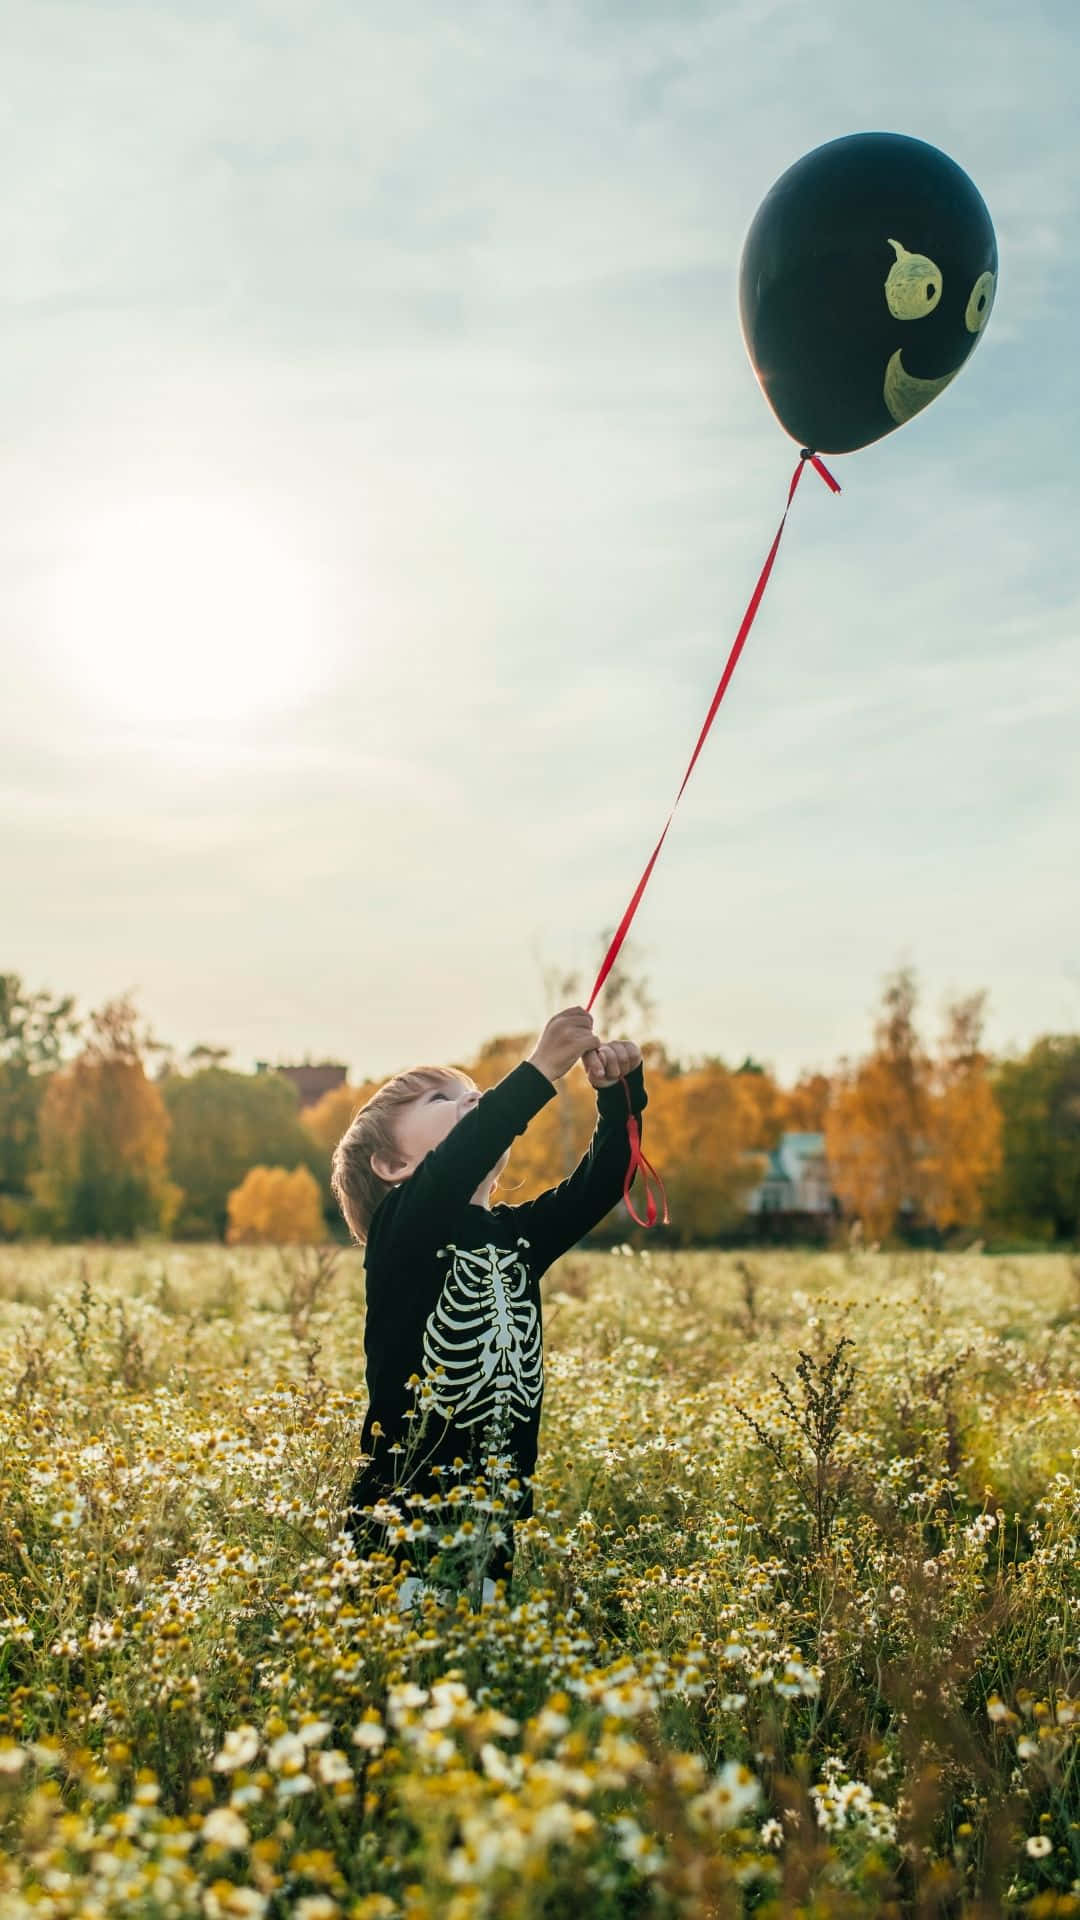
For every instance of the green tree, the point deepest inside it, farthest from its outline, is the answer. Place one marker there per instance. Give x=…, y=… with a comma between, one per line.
x=35, y=1029
x=223, y=1123
x=1038, y=1188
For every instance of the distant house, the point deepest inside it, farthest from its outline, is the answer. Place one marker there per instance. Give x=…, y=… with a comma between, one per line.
x=796, y=1193
x=311, y=1081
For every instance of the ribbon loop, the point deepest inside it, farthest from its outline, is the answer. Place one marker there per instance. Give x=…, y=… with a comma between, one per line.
x=638, y=1163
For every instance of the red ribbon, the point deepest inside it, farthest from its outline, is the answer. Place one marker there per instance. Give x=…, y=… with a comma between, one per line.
x=637, y=1158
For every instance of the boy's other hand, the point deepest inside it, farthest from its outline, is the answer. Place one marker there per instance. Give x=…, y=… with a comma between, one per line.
x=565, y=1038
x=607, y=1063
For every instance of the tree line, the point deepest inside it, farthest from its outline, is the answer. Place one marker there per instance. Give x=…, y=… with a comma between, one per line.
x=105, y=1134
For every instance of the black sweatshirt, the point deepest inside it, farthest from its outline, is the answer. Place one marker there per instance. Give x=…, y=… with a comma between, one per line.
x=454, y=1285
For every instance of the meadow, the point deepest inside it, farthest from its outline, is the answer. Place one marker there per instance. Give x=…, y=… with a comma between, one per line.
x=792, y=1630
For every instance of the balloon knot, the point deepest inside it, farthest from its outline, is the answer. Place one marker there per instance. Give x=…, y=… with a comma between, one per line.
x=806, y=453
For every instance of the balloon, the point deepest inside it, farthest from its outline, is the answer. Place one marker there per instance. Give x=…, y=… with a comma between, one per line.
x=867, y=277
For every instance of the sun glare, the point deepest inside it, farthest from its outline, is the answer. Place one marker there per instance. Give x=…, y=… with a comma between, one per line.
x=182, y=611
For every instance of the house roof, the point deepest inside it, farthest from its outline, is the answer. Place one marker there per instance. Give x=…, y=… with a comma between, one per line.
x=796, y=1149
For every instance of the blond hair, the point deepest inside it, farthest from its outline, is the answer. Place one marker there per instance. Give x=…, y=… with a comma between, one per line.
x=370, y=1134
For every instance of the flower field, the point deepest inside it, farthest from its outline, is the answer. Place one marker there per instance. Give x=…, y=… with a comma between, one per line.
x=793, y=1629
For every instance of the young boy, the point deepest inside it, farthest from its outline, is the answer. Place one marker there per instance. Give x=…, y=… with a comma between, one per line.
x=453, y=1282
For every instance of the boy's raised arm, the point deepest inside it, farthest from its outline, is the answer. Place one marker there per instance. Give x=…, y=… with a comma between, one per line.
x=558, y=1219
x=449, y=1175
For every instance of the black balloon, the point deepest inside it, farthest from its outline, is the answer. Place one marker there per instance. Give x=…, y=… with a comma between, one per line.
x=867, y=277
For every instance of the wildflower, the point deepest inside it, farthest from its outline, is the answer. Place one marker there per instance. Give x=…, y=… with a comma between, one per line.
x=294, y=1785
x=239, y=1749
x=70, y=1518
x=224, y=1901
x=224, y=1828
x=732, y=1793
x=313, y=1731
x=1039, y=1845
x=14, y=1627
x=640, y=1849
x=551, y=1722
x=286, y=1754
x=797, y=1679
x=370, y=1736
x=771, y=1833
x=12, y=1758
x=496, y=1765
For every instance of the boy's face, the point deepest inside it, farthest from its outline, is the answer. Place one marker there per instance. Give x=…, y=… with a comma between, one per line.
x=425, y=1122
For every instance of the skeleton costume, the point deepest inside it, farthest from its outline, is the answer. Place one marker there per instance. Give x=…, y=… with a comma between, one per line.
x=453, y=1295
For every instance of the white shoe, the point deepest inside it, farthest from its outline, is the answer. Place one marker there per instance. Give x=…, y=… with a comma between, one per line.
x=412, y=1590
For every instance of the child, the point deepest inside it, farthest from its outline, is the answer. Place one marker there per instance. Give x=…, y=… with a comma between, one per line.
x=453, y=1282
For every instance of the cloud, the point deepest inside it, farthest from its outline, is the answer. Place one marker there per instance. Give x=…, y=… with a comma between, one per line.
x=447, y=299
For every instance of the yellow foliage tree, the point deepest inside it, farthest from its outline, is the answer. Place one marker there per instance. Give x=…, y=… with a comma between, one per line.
x=701, y=1133
x=910, y=1136
x=104, y=1135
x=762, y=1104
x=966, y=1132
x=273, y=1207
x=804, y=1106
x=329, y=1117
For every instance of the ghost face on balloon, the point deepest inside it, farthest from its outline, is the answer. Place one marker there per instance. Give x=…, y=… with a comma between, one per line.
x=867, y=278
x=913, y=291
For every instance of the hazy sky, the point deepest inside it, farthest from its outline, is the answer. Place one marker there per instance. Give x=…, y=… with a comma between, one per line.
x=382, y=479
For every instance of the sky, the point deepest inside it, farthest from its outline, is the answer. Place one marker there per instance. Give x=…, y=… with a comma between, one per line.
x=382, y=481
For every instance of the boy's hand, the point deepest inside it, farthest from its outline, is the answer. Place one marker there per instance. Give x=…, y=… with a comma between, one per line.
x=606, y=1064
x=565, y=1038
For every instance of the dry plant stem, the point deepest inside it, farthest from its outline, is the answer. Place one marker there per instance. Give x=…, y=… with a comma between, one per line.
x=818, y=1418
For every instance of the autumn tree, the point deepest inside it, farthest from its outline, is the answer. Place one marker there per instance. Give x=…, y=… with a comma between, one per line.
x=222, y=1124
x=805, y=1105
x=35, y=1030
x=1038, y=1187
x=328, y=1118
x=763, y=1105
x=876, y=1129
x=104, y=1135
x=965, y=1132
x=699, y=1133
x=273, y=1207
x=913, y=1137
